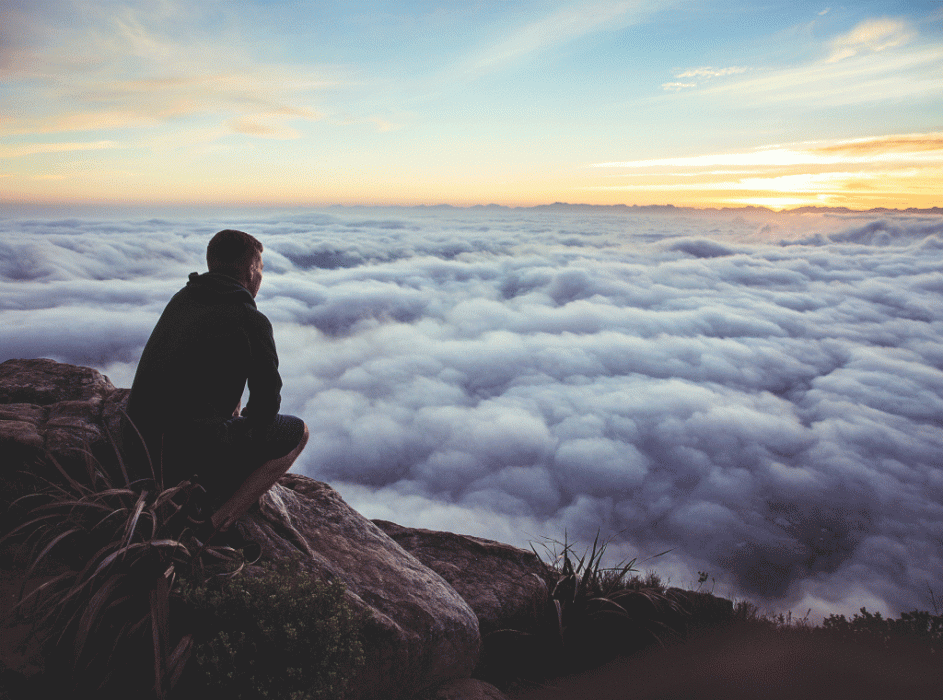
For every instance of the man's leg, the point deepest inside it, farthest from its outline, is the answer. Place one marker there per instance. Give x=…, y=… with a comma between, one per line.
x=259, y=481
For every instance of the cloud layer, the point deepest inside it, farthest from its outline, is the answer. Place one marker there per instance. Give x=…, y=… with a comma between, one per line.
x=761, y=394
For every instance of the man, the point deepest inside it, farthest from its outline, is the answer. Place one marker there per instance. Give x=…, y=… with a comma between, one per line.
x=211, y=341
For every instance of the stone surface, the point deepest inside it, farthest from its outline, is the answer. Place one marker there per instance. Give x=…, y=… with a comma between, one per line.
x=47, y=406
x=43, y=382
x=505, y=586
x=421, y=632
x=465, y=689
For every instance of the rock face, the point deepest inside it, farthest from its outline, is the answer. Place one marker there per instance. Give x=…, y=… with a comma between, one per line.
x=505, y=586
x=54, y=407
x=51, y=408
x=420, y=634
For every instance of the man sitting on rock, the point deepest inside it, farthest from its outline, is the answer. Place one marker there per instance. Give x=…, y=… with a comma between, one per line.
x=209, y=342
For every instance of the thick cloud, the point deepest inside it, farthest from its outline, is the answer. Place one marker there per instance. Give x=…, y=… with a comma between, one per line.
x=760, y=394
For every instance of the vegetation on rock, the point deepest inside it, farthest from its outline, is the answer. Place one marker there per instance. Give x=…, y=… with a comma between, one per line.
x=273, y=633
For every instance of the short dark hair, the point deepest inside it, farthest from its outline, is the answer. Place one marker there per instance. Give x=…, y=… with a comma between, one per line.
x=231, y=250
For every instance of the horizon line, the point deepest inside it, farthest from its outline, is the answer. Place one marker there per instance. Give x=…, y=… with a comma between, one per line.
x=807, y=208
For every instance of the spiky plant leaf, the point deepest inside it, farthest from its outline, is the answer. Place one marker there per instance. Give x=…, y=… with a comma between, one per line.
x=122, y=544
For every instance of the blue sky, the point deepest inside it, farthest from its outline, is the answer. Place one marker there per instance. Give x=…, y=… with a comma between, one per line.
x=426, y=102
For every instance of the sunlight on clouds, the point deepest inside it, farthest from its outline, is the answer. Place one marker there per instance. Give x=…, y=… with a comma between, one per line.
x=708, y=72
x=761, y=157
x=871, y=35
x=806, y=183
x=702, y=73
x=28, y=149
x=905, y=143
x=152, y=64
x=904, y=148
x=776, y=202
x=271, y=125
x=882, y=168
x=677, y=86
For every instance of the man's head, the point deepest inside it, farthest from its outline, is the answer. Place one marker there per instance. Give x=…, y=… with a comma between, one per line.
x=237, y=254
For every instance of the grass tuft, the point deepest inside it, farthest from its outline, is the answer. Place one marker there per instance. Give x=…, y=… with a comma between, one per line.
x=603, y=611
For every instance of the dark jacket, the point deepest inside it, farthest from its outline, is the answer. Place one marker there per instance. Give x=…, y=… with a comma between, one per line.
x=209, y=342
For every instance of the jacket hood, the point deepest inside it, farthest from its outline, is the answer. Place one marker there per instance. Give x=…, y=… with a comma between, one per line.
x=219, y=286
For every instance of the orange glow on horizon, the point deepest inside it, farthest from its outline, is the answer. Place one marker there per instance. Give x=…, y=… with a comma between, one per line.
x=895, y=171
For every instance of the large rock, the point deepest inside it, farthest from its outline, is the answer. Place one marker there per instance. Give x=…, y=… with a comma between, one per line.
x=507, y=587
x=46, y=406
x=420, y=633
x=43, y=382
x=49, y=408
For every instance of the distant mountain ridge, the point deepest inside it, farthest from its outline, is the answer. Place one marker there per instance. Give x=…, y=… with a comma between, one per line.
x=669, y=209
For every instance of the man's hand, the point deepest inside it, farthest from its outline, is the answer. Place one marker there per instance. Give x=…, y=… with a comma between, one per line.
x=235, y=414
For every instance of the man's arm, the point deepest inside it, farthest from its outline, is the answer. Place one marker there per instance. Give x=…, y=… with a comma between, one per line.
x=265, y=383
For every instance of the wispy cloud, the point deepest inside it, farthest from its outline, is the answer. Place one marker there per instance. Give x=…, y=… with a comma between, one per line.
x=708, y=72
x=872, y=35
x=880, y=59
x=28, y=149
x=882, y=145
x=903, y=148
x=564, y=25
x=820, y=172
x=272, y=124
x=149, y=64
x=867, y=77
x=674, y=87
x=702, y=73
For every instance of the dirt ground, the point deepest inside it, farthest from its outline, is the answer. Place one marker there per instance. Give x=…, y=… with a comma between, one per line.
x=750, y=666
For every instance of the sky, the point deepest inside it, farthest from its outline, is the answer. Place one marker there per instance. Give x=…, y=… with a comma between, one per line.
x=758, y=394
x=703, y=103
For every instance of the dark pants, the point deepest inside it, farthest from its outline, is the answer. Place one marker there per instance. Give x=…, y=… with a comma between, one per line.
x=220, y=456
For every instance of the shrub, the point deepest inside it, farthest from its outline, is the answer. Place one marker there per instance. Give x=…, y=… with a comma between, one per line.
x=274, y=633
x=916, y=628
x=604, y=611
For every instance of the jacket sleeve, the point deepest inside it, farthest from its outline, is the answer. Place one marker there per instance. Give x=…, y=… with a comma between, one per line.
x=265, y=384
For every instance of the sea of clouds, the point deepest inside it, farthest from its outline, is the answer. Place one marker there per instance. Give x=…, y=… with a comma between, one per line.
x=759, y=393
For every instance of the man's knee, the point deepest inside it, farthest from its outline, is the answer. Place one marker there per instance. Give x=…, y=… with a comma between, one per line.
x=280, y=465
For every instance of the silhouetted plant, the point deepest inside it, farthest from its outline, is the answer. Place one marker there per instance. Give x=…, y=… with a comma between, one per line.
x=918, y=627
x=603, y=611
x=110, y=549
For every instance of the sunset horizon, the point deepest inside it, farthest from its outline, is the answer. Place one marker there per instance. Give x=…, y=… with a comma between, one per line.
x=634, y=102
